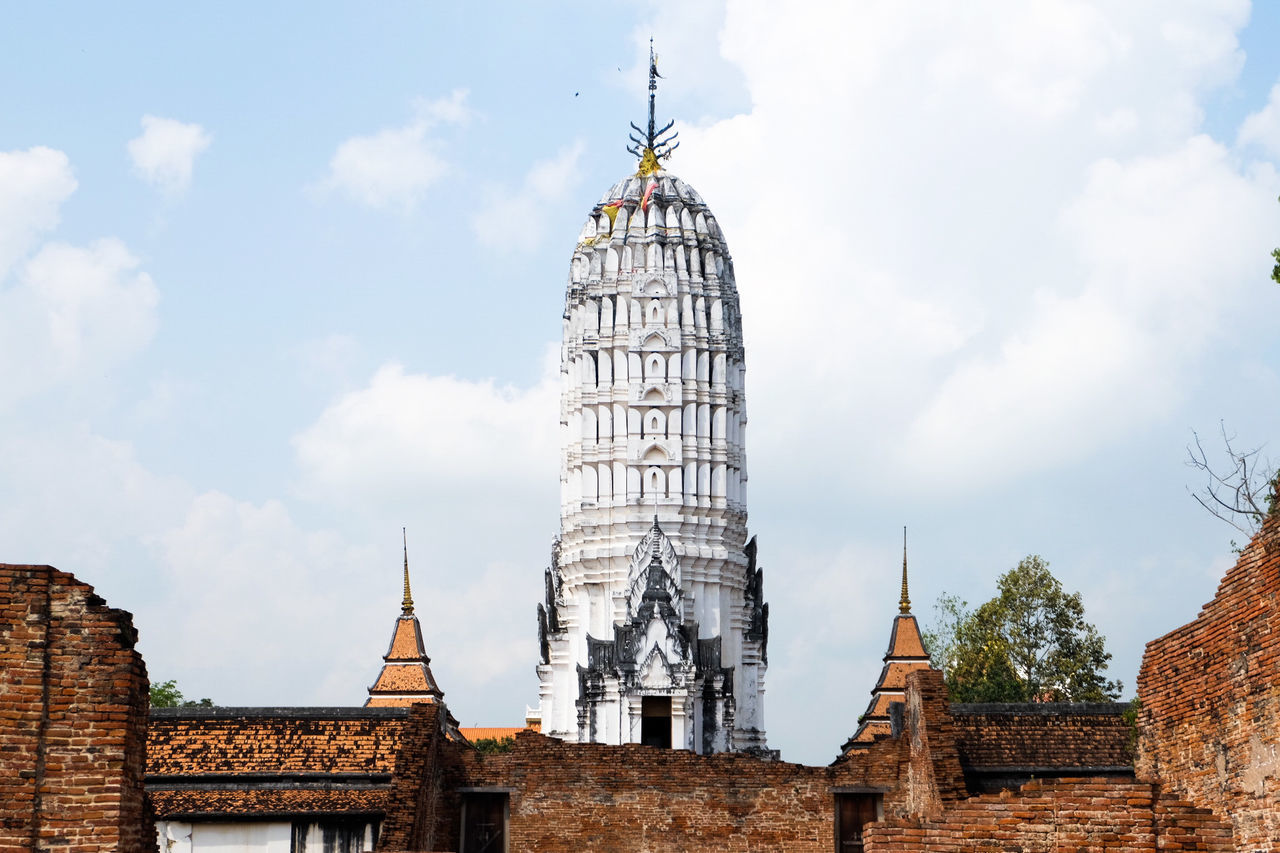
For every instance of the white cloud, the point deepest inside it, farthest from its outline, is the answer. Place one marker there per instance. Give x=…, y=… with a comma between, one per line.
x=33, y=185
x=396, y=166
x=903, y=297
x=83, y=502
x=1262, y=128
x=270, y=596
x=405, y=432
x=516, y=219
x=164, y=154
x=1082, y=369
x=73, y=312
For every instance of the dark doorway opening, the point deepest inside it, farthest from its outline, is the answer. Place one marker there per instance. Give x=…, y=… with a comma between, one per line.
x=853, y=812
x=655, y=721
x=484, y=823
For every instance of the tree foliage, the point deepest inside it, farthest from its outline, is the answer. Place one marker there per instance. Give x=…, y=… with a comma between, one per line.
x=166, y=694
x=493, y=745
x=1030, y=643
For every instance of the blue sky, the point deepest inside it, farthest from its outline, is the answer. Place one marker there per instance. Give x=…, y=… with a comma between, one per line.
x=996, y=262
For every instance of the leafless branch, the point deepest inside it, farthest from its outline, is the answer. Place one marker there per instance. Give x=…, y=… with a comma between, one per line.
x=1241, y=494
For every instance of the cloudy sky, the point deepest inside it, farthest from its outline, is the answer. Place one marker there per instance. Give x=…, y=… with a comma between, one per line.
x=276, y=281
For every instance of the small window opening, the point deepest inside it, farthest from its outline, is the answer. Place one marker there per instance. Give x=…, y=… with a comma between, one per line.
x=655, y=721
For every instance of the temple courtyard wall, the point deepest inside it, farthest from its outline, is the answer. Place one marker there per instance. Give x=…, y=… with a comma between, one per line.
x=83, y=767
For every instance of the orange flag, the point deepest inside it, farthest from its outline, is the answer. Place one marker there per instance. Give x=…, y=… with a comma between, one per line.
x=644, y=202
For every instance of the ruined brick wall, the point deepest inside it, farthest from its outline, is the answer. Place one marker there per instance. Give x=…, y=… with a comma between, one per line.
x=1210, y=693
x=73, y=705
x=577, y=797
x=1065, y=816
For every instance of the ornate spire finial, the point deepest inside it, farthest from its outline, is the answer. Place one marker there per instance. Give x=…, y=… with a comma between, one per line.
x=904, y=603
x=656, y=144
x=406, y=606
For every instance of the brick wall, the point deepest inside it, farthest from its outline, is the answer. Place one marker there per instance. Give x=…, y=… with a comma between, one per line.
x=576, y=797
x=1210, y=695
x=1064, y=816
x=72, y=738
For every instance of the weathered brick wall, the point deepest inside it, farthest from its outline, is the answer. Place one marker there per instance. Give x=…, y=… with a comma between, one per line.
x=1210, y=693
x=580, y=797
x=634, y=798
x=74, y=711
x=1065, y=816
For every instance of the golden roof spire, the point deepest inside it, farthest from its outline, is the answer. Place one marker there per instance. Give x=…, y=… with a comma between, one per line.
x=406, y=606
x=904, y=603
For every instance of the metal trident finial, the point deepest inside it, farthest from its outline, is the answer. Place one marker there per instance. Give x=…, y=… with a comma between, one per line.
x=904, y=603
x=406, y=606
x=655, y=141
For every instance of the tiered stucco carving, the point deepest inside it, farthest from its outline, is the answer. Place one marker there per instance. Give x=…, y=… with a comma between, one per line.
x=653, y=590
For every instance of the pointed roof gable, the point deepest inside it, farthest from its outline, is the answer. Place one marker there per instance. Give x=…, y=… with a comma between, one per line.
x=406, y=672
x=906, y=654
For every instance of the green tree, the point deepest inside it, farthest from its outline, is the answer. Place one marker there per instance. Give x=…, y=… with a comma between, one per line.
x=1030, y=643
x=493, y=745
x=167, y=695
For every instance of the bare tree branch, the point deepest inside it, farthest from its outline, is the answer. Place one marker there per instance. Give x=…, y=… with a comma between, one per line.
x=1241, y=494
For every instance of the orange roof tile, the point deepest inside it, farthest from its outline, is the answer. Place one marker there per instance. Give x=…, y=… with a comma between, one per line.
x=906, y=654
x=406, y=642
x=475, y=733
x=266, y=802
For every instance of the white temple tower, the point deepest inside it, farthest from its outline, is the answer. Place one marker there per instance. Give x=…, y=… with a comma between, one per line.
x=654, y=628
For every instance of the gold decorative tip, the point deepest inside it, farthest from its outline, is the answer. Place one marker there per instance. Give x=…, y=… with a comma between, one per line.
x=904, y=603
x=648, y=163
x=406, y=606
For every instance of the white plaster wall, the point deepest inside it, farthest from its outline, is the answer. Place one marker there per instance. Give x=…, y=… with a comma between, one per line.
x=176, y=837
x=656, y=301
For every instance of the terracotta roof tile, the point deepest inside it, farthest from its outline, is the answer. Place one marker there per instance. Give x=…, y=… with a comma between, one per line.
x=271, y=742
x=475, y=733
x=406, y=642
x=262, y=802
x=905, y=655
x=406, y=672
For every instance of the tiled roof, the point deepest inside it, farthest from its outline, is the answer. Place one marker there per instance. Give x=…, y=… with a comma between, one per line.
x=260, y=762
x=264, y=802
x=282, y=740
x=406, y=672
x=906, y=654
x=406, y=642
x=403, y=678
x=475, y=733
x=1043, y=735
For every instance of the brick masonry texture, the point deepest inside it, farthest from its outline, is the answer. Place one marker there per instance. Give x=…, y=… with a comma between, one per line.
x=1210, y=694
x=1065, y=816
x=75, y=743
x=565, y=797
x=73, y=719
